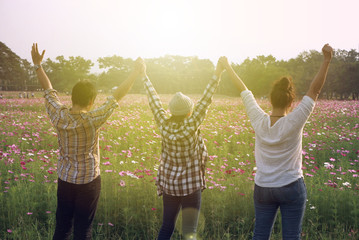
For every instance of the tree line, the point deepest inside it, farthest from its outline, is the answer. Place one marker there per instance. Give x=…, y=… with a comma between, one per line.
x=190, y=75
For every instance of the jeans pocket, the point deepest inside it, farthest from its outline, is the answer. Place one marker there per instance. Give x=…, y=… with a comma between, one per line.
x=259, y=195
x=292, y=193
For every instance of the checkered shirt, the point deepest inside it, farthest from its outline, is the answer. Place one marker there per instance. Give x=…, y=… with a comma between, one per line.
x=184, y=154
x=79, y=160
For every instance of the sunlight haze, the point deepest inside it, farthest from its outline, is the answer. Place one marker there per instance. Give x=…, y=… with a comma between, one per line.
x=203, y=28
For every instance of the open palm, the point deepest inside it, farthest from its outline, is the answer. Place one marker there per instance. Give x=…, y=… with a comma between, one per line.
x=36, y=56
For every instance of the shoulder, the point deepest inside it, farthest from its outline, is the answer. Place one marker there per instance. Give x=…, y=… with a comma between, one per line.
x=49, y=92
x=306, y=103
x=308, y=100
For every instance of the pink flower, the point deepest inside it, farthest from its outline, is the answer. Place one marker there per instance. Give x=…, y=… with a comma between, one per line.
x=29, y=213
x=153, y=209
x=122, y=183
x=111, y=224
x=9, y=231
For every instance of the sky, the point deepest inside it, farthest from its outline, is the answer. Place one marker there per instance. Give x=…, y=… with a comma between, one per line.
x=208, y=29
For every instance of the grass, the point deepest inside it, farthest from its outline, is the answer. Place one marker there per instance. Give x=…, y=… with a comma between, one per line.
x=130, y=148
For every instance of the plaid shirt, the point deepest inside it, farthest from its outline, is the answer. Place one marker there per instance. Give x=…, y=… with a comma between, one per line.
x=79, y=160
x=184, y=154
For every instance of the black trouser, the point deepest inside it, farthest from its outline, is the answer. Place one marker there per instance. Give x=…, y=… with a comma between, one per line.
x=190, y=205
x=77, y=204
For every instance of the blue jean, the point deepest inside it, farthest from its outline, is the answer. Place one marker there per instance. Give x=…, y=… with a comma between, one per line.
x=190, y=204
x=291, y=199
x=76, y=207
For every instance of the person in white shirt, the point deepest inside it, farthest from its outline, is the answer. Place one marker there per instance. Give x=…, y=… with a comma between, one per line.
x=278, y=151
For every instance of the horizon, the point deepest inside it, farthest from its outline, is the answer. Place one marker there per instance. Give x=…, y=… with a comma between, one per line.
x=152, y=29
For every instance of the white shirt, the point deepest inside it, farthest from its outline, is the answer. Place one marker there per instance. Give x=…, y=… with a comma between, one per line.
x=278, y=148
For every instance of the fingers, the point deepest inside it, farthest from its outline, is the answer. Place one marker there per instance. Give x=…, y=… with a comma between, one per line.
x=223, y=59
x=140, y=60
x=327, y=47
x=140, y=66
x=36, y=56
x=42, y=55
x=33, y=49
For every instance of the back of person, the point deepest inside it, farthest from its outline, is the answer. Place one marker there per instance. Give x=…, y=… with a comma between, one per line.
x=78, y=146
x=180, y=179
x=79, y=182
x=78, y=137
x=279, y=182
x=278, y=148
x=180, y=142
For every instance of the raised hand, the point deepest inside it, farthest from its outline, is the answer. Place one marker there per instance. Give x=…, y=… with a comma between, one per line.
x=224, y=62
x=36, y=56
x=321, y=76
x=140, y=66
x=219, y=68
x=327, y=52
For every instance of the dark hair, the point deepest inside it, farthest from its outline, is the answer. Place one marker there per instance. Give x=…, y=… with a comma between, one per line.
x=283, y=93
x=178, y=119
x=83, y=93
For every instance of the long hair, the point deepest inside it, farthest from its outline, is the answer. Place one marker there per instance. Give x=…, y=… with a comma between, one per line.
x=283, y=93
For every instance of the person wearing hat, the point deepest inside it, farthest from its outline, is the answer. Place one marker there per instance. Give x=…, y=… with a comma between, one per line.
x=180, y=179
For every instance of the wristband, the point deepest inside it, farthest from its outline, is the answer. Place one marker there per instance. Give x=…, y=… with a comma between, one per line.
x=37, y=66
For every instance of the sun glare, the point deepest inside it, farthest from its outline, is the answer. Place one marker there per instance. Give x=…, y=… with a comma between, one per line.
x=171, y=28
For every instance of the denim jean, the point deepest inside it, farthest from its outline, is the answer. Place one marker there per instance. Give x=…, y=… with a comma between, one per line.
x=76, y=205
x=190, y=205
x=291, y=199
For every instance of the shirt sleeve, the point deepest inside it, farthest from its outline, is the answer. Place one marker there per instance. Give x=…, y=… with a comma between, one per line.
x=200, y=109
x=101, y=114
x=254, y=111
x=155, y=102
x=53, y=105
x=301, y=113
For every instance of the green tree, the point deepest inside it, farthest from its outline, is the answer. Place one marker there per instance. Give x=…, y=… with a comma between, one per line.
x=65, y=73
x=116, y=69
x=13, y=74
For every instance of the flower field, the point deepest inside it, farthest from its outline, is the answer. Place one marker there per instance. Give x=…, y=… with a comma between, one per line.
x=130, y=149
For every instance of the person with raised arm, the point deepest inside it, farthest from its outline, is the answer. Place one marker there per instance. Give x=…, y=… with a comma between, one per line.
x=78, y=168
x=181, y=173
x=278, y=151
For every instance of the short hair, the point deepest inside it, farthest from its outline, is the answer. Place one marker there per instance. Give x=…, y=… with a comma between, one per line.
x=83, y=93
x=283, y=92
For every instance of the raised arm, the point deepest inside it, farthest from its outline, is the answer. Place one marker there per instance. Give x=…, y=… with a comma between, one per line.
x=123, y=89
x=201, y=107
x=153, y=99
x=233, y=75
x=41, y=75
x=319, y=79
